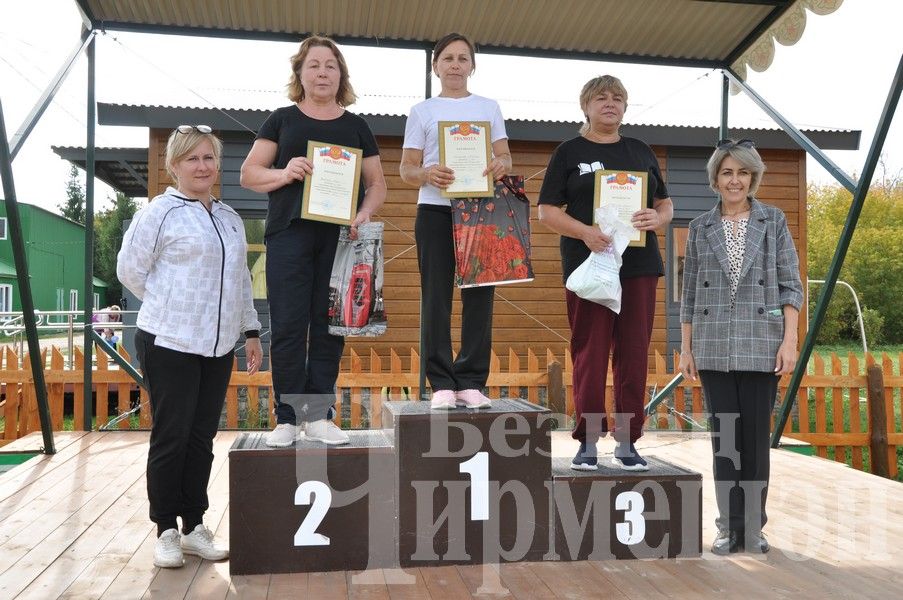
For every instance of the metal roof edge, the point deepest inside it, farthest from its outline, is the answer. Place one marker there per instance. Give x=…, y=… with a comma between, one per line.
x=167, y=117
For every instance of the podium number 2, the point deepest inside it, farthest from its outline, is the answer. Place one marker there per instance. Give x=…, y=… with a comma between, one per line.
x=633, y=529
x=318, y=495
x=478, y=469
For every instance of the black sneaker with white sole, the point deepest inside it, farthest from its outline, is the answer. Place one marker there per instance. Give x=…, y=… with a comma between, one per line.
x=629, y=460
x=586, y=459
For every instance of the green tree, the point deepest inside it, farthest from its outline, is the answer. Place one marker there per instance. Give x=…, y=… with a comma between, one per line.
x=108, y=232
x=872, y=266
x=74, y=206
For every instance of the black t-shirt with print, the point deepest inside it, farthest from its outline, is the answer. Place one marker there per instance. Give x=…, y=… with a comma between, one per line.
x=570, y=180
x=291, y=129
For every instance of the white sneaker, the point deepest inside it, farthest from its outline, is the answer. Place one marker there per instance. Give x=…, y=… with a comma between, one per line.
x=200, y=542
x=326, y=431
x=168, y=550
x=284, y=435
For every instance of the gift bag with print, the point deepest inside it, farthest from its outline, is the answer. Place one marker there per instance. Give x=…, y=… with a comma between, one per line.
x=356, y=286
x=492, y=236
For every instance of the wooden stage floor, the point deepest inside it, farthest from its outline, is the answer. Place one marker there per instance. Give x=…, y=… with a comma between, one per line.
x=75, y=525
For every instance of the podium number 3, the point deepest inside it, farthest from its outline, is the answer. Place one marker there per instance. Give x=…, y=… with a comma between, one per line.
x=318, y=495
x=633, y=529
x=478, y=469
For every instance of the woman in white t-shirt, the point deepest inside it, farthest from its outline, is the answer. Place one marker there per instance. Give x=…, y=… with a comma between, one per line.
x=462, y=380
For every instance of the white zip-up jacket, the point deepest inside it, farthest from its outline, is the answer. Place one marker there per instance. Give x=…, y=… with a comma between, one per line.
x=189, y=268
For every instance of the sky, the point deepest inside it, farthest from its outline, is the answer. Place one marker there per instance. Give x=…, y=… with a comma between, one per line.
x=837, y=76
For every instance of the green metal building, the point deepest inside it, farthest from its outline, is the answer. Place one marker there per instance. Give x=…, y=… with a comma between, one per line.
x=55, y=250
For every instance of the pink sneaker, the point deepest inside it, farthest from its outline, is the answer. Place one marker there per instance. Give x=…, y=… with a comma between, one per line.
x=442, y=400
x=472, y=399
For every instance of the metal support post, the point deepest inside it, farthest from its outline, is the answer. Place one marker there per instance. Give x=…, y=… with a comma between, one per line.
x=725, y=95
x=24, y=284
x=88, y=345
x=821, y=309
x=797, y=136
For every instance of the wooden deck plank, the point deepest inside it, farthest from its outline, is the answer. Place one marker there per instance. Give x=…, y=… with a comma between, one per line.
x=444, y=582
x=58, y=552
x=631, y=584
x=35, y=440
x=44, y=504
x=36, y=476
x=522, y=582
x=137, y=574
x=367, y=585
x=249, y=587
x=327, y=586
x=484, y=580
x=109, y=563
x=287, y=585
x=98, y=555
x=401, y=589
x=571, y=580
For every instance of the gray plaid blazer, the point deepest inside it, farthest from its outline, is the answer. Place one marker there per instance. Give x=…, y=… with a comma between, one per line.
x=747, y=337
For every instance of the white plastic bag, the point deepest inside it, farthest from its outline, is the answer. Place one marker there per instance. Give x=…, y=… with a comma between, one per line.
x=597, y=279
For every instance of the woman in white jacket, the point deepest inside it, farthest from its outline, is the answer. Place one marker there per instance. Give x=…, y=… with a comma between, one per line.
x=185, y=257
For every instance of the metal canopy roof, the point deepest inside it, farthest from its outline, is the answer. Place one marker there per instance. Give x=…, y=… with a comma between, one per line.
x=124, y=169
x=701, y=33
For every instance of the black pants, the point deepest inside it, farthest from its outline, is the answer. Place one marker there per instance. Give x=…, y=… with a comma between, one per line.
x=436, y=259
x=187, y=392
x=304, y=356
x=740, y=405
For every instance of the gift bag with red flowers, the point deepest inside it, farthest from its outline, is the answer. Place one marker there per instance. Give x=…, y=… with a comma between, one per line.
x=492, y=236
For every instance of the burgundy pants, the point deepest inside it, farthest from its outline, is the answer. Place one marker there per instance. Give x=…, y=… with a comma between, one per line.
x=596, y=332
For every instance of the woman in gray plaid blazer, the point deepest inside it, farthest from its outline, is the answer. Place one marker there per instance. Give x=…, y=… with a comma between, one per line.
x=739, y=313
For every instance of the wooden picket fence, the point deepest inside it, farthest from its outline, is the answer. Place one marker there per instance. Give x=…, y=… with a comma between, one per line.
x=832, y=418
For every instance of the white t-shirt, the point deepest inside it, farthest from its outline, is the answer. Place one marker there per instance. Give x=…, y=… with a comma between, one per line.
x=422, y=130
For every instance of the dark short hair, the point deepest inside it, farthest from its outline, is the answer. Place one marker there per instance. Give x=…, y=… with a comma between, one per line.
x=448, y=39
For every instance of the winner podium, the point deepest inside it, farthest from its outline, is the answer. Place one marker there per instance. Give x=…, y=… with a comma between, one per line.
x=449, y=487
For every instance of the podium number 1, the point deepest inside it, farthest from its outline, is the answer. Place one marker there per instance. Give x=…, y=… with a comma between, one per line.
x=633, y=529
x=318, y=495
x=478, y=469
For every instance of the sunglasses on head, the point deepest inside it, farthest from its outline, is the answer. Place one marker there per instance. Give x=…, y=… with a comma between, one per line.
x=190, y=128
x=744, y=143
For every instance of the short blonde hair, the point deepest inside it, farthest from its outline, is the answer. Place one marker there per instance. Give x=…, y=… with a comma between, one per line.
x=180, y=145
x=344, y=96
x=746, y=155
x=594, y=87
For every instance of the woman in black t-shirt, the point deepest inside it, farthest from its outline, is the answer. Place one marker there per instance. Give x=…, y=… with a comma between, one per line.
x=566, y=203
x=304, y=356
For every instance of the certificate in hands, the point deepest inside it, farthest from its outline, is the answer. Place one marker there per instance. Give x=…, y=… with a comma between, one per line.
x=464, y=148
x=626, y=191
x=331, y=191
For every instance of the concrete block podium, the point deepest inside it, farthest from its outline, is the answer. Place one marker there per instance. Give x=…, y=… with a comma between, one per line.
x=449, y=487
x=311, y=507
x=471, y=484
x=612, y=513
